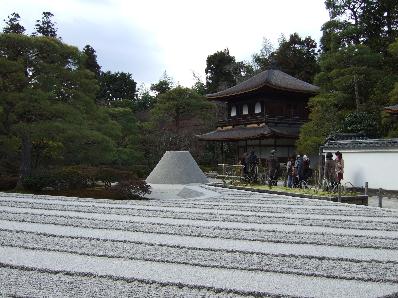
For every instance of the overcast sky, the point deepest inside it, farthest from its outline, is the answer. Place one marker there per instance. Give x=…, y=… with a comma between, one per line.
x=148, y=37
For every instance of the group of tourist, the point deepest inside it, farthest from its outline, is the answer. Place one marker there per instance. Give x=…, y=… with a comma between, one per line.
x=298, y=170
x=334, y=169
x=250, y=163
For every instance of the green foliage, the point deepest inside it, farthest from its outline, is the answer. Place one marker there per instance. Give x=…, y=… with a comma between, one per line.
x=144, y=101
x=393, y=48
x=126, y=152
x=199, y=87
x=358, y=71
x=165, y=84
x=324, y=119
x=47, y=103
x=366, y=122
x=180, y=104
x=373, y=23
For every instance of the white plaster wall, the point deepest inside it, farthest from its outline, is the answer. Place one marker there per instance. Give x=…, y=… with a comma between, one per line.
x=378, y=168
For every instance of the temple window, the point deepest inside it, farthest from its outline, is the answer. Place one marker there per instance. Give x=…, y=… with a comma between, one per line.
x=233, y=111
x=245, y=109
x=257, y=108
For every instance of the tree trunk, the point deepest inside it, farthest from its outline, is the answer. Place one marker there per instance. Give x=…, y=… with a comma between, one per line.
x=26, y=160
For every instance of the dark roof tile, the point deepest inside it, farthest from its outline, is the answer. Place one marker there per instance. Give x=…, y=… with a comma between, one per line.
x=273, y=78
x=245, y=133
x=361, y=144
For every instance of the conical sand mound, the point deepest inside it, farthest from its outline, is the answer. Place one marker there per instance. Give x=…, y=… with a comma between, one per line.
x=176, y=167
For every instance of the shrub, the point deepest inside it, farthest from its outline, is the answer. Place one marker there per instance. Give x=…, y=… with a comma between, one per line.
x=61, y=179
x=131, y=189
x=38, y=181
x=8, y=182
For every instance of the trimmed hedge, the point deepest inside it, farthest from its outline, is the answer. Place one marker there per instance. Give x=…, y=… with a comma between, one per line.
x=120, y=184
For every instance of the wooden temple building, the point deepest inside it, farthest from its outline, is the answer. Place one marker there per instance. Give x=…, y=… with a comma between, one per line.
x=263, y=113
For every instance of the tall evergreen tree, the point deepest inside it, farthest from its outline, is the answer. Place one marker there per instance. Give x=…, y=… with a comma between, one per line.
x=91, y=60
x=220, y=71
x=115, y=87
x=45, y=26
x=296, y=56
x=165, y=84
x=13, y=25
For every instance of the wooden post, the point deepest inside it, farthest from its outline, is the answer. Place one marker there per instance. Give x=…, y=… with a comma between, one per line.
x=380, y=194
x=366, y=188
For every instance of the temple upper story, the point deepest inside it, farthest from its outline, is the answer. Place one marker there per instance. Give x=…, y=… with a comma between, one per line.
x=271, y=95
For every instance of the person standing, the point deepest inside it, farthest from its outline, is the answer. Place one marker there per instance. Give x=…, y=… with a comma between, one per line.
x=329, y=172
x=290, y=171
x=298, y=167
x=273, y=169
x=253, y=163
x=244, y=162
x=307, y=171
x=339, y=166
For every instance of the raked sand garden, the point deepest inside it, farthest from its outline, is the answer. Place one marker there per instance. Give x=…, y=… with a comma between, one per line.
x=214, y=242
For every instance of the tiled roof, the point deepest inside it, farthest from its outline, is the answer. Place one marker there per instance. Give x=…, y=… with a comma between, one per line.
x=361, y=144
x=245, y=133
x=272, y=78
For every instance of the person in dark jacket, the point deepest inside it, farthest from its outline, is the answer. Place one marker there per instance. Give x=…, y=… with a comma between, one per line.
x=307, y=171
x=273, y=169
x=253, y=163
x=244, y=162
x=298, y=168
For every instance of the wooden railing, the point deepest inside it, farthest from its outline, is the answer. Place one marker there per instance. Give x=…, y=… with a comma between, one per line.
x=245, y=120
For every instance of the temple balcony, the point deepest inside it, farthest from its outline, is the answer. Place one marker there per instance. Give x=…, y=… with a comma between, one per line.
x=257, y=119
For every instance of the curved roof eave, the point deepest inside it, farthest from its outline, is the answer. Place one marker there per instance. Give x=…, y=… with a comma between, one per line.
x=274, y=79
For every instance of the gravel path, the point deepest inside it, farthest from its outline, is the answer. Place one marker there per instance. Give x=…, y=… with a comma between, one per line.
x=239, y=244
